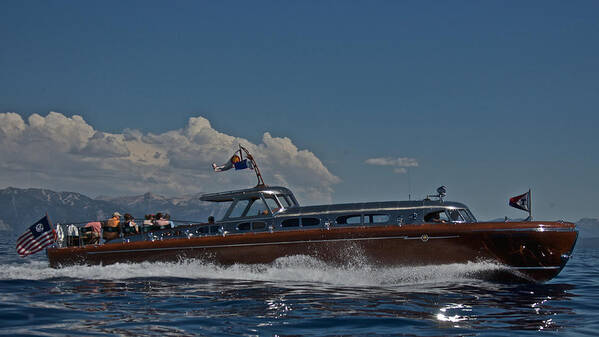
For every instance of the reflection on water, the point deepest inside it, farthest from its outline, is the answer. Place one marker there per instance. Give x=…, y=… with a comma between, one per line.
x=154, y=305
x=296, y=296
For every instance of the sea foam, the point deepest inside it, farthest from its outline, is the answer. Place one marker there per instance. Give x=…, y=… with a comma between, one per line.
x=297, y=268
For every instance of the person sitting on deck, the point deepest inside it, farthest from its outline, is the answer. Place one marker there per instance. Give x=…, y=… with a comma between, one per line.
x=148, y=222
x=91, y=236
x=111, y=231
x=211, y=220
x=167, y=217
x=72, y=236
x=130, y=227
x=161, y=222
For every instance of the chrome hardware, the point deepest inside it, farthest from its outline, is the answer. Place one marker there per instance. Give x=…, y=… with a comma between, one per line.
x=222, y=231
x=441, y=193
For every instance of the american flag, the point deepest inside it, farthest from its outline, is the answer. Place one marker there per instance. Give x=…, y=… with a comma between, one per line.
x=36, y=237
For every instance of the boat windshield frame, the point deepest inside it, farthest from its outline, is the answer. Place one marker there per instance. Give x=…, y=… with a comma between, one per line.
x=263, y=196
x=448, y=215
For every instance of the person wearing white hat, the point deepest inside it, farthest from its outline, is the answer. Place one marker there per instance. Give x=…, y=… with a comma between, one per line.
x=111, y=231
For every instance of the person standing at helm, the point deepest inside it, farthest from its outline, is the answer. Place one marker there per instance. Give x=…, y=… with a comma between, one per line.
x=112, y=227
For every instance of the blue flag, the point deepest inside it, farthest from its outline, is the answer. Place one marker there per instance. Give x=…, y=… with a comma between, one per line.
x=241, y=165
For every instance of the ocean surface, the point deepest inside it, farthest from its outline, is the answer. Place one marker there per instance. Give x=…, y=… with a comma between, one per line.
x=293, y=296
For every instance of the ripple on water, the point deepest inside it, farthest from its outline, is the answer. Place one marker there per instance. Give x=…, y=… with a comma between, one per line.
x=295, y=295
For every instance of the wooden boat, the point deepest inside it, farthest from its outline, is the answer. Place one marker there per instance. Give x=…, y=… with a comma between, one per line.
x=265, y=223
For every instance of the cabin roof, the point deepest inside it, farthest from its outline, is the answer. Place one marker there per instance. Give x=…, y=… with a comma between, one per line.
x=240, y=194
x=372, y=206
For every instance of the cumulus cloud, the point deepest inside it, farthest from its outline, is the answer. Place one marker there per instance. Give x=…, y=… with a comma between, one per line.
x=66, y=153
x=399, y=164
x=11, y=125
x=106, y=145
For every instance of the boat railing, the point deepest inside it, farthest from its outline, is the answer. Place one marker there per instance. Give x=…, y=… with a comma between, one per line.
x=82, y=234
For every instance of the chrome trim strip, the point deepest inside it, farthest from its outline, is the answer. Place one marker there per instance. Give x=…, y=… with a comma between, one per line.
x=239, y=220
x=530, y=229
x=431, y=237
x=267, y=244
x=362, y=210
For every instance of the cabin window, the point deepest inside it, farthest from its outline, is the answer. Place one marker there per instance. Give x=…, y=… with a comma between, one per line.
x=272, y=203
x=284, y=200
x=410, y=216
x=349, y=220
x=238, y=209
x=455, y=216
x=257, y=208
x=376, y=218
x=290, y=222
x=243, y=226
x=437, y=217
x=310, y=221
x=259, y=225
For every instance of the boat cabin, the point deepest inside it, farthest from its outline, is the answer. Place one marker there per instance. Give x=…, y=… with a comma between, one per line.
x=276, y=208
x=270, y=209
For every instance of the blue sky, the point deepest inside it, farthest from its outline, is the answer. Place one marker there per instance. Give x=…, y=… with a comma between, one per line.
x=490, y=98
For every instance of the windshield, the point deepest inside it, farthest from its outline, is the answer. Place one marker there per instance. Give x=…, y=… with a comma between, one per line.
x=467, y=215
x=454, y=215
x=284, y=200
x=449, y=215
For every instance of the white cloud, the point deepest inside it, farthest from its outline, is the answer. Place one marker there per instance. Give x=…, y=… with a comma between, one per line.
x=69, y=134
x=106, y=145
x=11, y=125
x=399, y=164
x=66, y=153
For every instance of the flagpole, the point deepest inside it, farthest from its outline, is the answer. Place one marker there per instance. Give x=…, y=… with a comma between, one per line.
x=256, y=169
x=50, y=222
x=53, y=228
x=529, y=205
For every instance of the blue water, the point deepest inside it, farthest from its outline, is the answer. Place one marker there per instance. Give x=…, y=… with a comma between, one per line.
x=294, y=296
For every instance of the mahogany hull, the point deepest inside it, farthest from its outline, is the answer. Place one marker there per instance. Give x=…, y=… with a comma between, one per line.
x=533, y=251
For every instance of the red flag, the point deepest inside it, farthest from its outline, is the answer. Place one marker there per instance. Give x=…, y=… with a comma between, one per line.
x=521, y=201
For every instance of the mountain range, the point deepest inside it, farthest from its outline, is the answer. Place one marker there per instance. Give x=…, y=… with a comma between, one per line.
x=22, y=207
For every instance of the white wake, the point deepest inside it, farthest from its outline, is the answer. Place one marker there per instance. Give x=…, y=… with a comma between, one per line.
x=294, y=268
